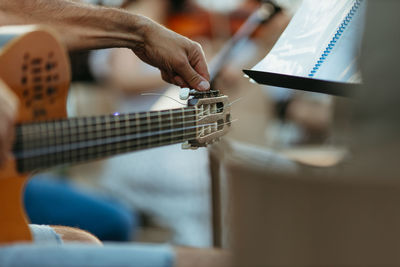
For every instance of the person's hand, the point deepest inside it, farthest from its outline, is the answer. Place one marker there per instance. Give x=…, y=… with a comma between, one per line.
x=180, y=60
x=8, y=112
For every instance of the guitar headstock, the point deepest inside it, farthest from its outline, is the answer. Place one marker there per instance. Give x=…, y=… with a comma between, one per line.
x=213, y=118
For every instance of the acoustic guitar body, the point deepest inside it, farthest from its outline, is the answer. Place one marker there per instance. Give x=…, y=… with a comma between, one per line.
x=35, y=67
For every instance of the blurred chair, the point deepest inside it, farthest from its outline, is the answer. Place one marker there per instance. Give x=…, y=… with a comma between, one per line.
x=345, y=215
x=312, y=218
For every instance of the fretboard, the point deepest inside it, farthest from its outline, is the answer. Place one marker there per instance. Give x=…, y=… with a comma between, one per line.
x=48, y=144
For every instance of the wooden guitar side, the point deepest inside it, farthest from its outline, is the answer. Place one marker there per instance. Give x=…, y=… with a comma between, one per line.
x=36, y=68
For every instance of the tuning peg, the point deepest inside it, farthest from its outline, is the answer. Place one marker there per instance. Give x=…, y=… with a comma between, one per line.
x=184, y=93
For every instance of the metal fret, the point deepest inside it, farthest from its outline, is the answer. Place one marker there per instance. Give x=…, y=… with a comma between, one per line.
x=92, y=134
x=129, y=128
x=73, y=130
x=69, y=128
x=171, y=122
x=58, y=155
x=123, y=132
x=183, y=122
x=148, y=129
x=52, y=138
x=159, y=126
x=117, y=132
x=108, y=131
x=42, y=128
x=137, y=141
x=99, y=135
x=85, y=136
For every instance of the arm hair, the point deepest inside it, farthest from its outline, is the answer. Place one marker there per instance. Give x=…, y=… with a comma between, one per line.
x=80, y=26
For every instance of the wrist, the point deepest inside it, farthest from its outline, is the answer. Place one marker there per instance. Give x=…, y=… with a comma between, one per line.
x=139, y=32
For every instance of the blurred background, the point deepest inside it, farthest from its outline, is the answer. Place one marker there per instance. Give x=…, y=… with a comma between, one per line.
x=164, y=194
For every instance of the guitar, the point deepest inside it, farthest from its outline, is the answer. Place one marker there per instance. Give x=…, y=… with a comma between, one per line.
x=36, y=67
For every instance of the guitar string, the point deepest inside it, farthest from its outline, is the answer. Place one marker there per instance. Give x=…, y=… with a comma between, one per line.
x=31, y=164
x=161, y=140
x=171, y=98
x=153, y=131
x=83, y=129
x=140, y=135
x=112, y=125
x=136, y=118
x=91, y=123
x=97, y=152
x=108, y=141
x=146, y=115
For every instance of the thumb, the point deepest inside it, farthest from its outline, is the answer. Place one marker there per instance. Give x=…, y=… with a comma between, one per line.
x=194, y=79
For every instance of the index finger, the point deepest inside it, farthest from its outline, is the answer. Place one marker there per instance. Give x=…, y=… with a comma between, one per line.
x=198, y=62
x=201, y=67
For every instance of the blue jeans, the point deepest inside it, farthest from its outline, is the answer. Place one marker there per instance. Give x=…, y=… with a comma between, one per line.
x=55, y=202
x=78, y=255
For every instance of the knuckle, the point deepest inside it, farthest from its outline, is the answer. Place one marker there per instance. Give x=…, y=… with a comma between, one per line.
x=198, y=46
x=197, y=49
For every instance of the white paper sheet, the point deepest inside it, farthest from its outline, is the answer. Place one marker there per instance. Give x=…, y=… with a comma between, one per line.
x=308, y=35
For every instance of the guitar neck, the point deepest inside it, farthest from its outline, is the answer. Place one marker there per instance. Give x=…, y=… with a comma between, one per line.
x=48, y=144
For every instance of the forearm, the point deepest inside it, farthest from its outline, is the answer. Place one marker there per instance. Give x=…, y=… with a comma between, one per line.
x=80, y=26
